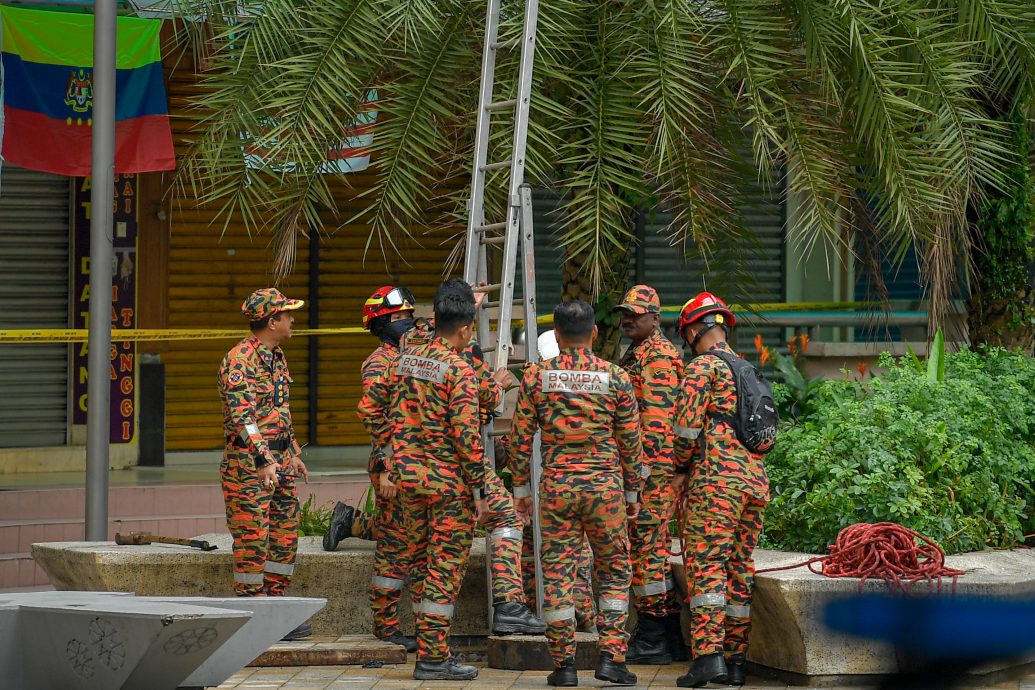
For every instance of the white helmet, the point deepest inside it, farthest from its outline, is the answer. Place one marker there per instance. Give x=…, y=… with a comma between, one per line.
x=548, y=346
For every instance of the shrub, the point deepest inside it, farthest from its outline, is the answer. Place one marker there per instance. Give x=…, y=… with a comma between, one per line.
x=952, y=458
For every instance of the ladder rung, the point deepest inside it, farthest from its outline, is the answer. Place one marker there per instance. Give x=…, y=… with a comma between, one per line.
x=512, y=43
x=494, y=240
x=491, y=287
x=496, y=166
x=517, y=304
x=500, y=105
x=491, y=226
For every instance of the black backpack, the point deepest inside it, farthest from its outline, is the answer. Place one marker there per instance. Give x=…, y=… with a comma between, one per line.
x=756, y=418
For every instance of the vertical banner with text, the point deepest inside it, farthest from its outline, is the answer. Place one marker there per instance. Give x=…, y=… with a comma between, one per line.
x=123, y=302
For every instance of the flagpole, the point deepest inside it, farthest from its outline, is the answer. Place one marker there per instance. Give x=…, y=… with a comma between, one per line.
x=103, y=173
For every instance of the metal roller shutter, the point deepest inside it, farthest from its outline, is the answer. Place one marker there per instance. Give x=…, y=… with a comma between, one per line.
x=34, y=246
x=210, y=275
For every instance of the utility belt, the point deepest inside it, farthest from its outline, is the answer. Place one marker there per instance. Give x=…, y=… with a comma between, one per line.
x=278, y=444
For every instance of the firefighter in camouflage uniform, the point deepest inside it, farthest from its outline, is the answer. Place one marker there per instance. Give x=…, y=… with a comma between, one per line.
x=727, y=491
x=261, y=457
x=590, y=445
x=423, y=413
x=655, y=369
x=388, y=315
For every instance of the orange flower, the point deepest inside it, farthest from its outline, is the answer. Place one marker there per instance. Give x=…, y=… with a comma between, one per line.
x=764, y=356
x=759, y=345
x=804, y=342
x=792, y=346
x=862, y=368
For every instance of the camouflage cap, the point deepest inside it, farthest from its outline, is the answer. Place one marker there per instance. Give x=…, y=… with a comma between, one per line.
x=267, y=302
x=641, y=299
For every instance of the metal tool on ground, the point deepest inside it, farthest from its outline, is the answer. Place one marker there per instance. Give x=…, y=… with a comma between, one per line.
x=501, y=233
x=143, y=539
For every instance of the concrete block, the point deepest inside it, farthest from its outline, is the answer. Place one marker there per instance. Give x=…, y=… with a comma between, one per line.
x=530, y=653
x=789, y=636
x=342, y=577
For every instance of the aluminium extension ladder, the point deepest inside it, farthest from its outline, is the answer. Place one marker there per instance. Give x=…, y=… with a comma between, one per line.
x=487, y=233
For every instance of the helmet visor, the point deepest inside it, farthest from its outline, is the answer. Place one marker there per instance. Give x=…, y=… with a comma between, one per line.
x=399, y=297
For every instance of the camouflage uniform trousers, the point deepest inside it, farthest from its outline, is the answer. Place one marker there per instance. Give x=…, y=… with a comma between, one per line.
x=263, y=524
x=585, y=609
x=505, y=537
x=723, y=528
x=565, y=514
x=441, y=528
x=392, y=554
x=652, y=581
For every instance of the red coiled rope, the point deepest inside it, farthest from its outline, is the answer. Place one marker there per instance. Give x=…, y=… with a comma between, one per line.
x=885, y=550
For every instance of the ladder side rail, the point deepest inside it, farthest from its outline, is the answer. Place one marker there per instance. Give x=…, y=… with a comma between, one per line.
x=532, y=355
x=476, y=204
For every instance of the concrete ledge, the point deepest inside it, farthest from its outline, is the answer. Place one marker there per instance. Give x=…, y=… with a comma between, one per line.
x=788, y=634
x=342, y=577
x=530, y=653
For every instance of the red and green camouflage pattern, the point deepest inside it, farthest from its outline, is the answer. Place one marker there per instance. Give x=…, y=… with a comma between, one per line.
x=392, y=550
x=723, y=530
x=586, y=410
x=655, y=369
x=254, y=385
x=709, y=392
x=267, y=302
x=441, y=528
x=727, y=493
x=424, y=408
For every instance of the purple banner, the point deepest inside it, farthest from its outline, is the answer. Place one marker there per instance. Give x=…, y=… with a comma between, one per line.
x=123, y=302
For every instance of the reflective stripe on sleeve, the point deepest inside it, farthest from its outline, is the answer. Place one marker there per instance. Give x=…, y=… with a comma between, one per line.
x=279, y=568
x=249, y=578
x=650, y=589
x=501, y=533
x=523, y=491
x=710, y=599
x=686, y=432
x=387, y=582
x=558, y=615
x=614, y=605
x=737, y=611
x=444, y=610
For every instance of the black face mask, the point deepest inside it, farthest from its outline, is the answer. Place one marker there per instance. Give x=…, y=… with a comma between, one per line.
x=395, y=330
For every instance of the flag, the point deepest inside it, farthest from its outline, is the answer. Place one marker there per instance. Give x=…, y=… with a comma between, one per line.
x=350, y=153
x=47, y=68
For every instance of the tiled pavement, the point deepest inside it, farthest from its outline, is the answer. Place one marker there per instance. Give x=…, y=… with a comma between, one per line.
x=400, y=677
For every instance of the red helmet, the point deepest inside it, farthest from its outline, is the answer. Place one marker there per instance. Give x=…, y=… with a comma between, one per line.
x=387, y=300
x=702, y=305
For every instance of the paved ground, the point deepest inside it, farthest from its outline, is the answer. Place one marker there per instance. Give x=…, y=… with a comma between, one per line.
x=401, y=678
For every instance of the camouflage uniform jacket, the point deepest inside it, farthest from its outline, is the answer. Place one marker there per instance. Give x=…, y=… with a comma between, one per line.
x=377, y=362
x=254, y=385
x=655, y=369
x=706, y=445
x=587, y=412
x=424, y=407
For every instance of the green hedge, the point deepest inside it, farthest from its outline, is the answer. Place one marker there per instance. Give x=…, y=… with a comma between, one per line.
x=953, y=459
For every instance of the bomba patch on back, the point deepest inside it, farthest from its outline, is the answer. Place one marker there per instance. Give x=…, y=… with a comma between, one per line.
x=568, y=381
x=423, y=368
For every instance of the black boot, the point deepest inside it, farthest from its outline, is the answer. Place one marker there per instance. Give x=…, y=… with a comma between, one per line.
x=514, y=617
x=676, y=642
x=735, y=669
x=300, y=633
x=564, y=676
x=706, y=669
x=616, y=673
x=649, y=644
x=340, y=526
x=450, y=669
x=398, y=638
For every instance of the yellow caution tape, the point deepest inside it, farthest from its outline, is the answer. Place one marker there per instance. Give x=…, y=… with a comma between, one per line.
x=81, y=335
x=121, y=335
